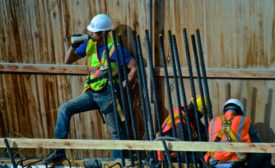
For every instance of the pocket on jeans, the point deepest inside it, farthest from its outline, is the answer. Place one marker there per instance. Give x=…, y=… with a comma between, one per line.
x=105, y=104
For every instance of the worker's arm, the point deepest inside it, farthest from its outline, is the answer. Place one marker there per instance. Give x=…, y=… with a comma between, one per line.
x=254, y=135
x=71, y=56
x=257, y=159
x=132, y=71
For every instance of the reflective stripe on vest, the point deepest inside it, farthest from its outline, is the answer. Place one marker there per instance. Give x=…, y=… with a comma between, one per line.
x=239, y=131
x=167, y=124
x=98, y=68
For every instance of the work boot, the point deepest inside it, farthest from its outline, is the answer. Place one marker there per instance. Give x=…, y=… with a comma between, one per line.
x=55, y=157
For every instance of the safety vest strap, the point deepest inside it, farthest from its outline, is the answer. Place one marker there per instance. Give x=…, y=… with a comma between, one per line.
x=105, y=75
x=226, y=129
x=229, y=134
x=112, y=50
x=104, y=55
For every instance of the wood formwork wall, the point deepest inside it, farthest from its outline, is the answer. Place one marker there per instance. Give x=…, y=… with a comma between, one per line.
x=36, y=34
x=237, y=37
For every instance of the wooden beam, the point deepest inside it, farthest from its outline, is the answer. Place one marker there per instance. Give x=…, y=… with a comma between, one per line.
x=81, y=70
x=42, y=68
x=30, y=163
x=106, y=162
x=226, y=73
x=138, y=145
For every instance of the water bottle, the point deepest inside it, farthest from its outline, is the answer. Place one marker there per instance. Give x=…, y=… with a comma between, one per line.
x=79, y=38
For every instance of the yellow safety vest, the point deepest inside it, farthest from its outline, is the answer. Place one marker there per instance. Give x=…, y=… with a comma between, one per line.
x=98, y=67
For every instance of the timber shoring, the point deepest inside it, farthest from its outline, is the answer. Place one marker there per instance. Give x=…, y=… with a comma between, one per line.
x=101, y=144
x=215, y=73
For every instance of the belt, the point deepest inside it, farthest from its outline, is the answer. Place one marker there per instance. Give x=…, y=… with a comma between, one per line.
x=104, y=76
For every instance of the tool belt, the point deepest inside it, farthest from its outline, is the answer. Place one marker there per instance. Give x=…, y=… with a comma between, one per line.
x=119, y=109
x=105, y=75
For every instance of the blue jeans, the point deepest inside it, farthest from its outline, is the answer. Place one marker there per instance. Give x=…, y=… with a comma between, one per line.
x=87, y=101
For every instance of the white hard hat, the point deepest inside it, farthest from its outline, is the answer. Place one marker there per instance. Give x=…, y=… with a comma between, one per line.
x=234, y=103
x=100, y=22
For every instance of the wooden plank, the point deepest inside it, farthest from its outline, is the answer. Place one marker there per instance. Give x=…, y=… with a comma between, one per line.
x=106, y=163
x=227, y=73
x=114, y=164
x=81, y=70
x=42, y=68
x=138, y=145
x=38, y=163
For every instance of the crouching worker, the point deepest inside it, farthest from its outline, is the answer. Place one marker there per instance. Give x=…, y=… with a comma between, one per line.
x=167, y=129
x=234, y=126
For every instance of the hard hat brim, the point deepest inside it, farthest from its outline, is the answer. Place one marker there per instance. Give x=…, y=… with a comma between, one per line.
x=91, y=29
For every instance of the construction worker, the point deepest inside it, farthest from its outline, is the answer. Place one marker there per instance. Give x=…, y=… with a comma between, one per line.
x=234, y=126
x=167, y=125
x=97, y=94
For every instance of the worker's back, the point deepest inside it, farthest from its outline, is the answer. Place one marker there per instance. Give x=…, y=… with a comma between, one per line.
x=233, y=126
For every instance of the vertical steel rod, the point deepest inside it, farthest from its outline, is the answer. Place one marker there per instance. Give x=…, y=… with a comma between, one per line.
x=117, y=122
x=147, y=101
x=121, y=91
x=141, y=97
x=209, y=110
x=153, y=82
x=200, y=84
x=130, y=100
x=9, y=151
x=183, y=95
x=167, y=86
x=193, y=90
x=178, y=104
x=145, y=91
x=140, y=82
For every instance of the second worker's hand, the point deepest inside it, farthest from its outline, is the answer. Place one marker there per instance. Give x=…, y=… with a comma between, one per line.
x=76, y=45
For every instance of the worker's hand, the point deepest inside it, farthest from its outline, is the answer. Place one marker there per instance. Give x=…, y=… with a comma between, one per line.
x=76, y=45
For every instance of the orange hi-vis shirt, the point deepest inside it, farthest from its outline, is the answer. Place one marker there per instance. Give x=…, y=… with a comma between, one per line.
x=228, y=128
x=167, y=127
